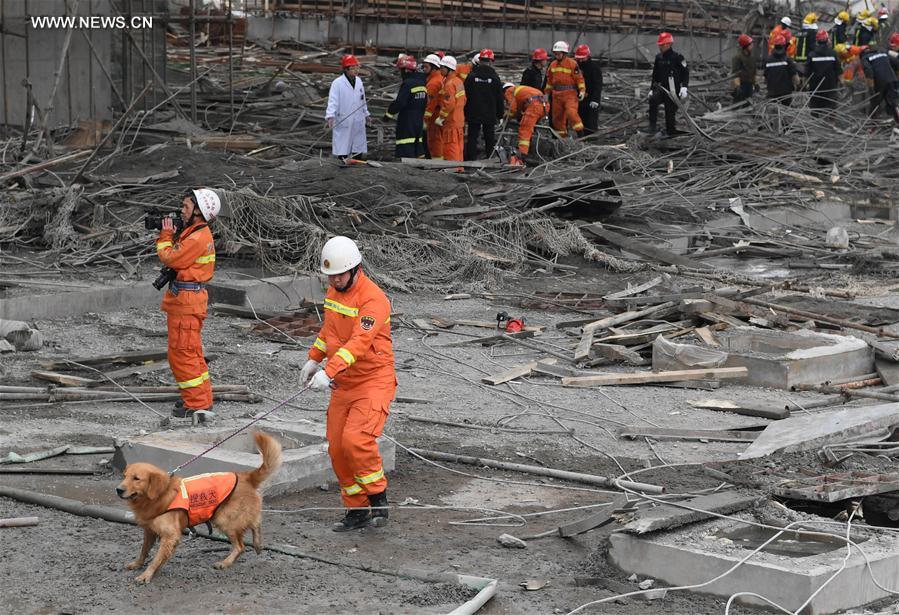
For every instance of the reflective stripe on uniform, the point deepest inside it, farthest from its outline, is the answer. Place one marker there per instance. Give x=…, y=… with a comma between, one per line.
x=524, y=142
x=194, y=382
x=346, y=355
x=406, y=141
x=390, y=115
x=162, y=245
x=560, y=69
x=419, y=88
x=205, y=260
x=429, y=113
x=460, y=93
x=577, y=127
x=825, y=59
x=346, y=310
x=770, y=64
x=320, y=344
x=371, y=478
x=352, y=489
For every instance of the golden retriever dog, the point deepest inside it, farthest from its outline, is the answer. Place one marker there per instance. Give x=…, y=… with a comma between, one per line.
x=151, y=493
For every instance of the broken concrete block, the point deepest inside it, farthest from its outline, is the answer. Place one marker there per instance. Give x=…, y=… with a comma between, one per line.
x=6, y=347
x=646, y=583
x=511, y=542
x=667, y=355
x=20, y=335
x=838, y=238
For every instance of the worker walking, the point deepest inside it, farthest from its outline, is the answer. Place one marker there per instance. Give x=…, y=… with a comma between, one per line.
x=190, y=256
x=743, y=68
x=433, y=85
x=839, y=34
x=355, y=340
x=670, y=78
x=484, y=105
x=588, y=108
x=527, y=105
x=535, y=75
x=822, y=74
x=408, y=109
x=781, y=76
x=880, y=74
x=347, y=111
x=565, y=85
x=451, y=117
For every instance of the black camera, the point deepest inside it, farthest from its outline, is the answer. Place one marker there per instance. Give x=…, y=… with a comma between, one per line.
x=153, y=221
x=166, y=275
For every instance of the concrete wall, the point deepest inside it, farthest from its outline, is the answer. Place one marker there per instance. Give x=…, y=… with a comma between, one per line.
x=639, y=46
x=84, y=91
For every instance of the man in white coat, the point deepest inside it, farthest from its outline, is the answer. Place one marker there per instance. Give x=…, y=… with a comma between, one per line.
x=347, y=111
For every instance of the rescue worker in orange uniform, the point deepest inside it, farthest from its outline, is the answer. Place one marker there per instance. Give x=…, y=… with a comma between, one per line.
x=565, y=84
x=190, y=254
x=528, y=105
x=782, y=28
x=451, y=117
x=355, y=340
x=433, y=85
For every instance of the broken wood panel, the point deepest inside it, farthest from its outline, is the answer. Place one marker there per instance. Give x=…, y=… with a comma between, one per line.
x=838, y=486
x=512, y=373
x=668, y=516
x=659, y=311
x=134, y=370
x=634, y=290
x=651, y=377
x=632, y=245
x=707, y=337
x=699, y=435
x=125, y=357
x=617, y=353
x=583, y=346
x=66, y=380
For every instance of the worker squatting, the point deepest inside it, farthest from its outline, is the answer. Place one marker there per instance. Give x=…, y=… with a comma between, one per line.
x=440, y=97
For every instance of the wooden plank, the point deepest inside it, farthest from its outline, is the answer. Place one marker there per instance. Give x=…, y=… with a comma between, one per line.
x=698, y=435
x=66, y=380
x=628, y=292
x=510, y=374
x=619, y=319
x=583, y=346
x=723, y=319
x=125, y=357
x=241, y=311
x=617, y=353
x=630, y=302
x=134, y=370
x=604, y=517
x=667, y=516
x=723, y=405
x=632, y=245
x=551, y=369
x=707, y=337
x=490, y=339
x=651, y=377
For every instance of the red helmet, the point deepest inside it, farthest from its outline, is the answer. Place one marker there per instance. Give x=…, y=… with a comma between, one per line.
x=486, y=54
x=406, y=63
x=665, y=38
x=581, y=52
x=440, y=54
x=822, y=36
x=779, y=40
x=744, y=40
x=348, y=60
x=539, y=54
x=894, y=39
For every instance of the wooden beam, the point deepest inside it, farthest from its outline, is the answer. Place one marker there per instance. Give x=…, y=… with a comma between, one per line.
x=707, y=337
x=125, y=357
x=619, y=319
x=651, y=377
x=723, y=405
x=66, y=380
x=583, y=346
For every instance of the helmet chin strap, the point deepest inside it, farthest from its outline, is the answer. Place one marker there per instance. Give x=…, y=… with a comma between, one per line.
x=349, y=283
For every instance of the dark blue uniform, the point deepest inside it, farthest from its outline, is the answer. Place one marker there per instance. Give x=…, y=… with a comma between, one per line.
x=880, y=72
x=408, y=109
x=823, y=72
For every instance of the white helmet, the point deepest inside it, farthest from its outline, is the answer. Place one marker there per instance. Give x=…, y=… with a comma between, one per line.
x=508, y=85
x=560, y=46
x=339, y=255
x=432, y=58
x=476, y=58
x=209, y=203
x=786, y=21
x=449, y=62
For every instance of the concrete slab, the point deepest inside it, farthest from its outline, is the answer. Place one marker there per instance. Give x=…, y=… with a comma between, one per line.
x=271, y=293
x=782, y=360
x=811, y=431
x=789, y=574
x=305, y=453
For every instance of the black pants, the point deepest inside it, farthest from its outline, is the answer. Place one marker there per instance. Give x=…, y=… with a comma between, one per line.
x=590, y=117
x=471, y=141
x=822, y=100
x=415, y=149
x=658, y=97
x=742, y=93
x=889, y=98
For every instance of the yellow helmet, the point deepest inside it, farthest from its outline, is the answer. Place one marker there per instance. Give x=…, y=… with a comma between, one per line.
x=843, y=16
x=871, y=23
x=863, y=15
x=840, y=48
x=811, y=18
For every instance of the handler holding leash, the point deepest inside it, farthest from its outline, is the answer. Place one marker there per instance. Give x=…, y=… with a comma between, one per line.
x=355, y=339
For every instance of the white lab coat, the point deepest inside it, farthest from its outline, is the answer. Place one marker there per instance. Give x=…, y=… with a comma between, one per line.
x=348, y=107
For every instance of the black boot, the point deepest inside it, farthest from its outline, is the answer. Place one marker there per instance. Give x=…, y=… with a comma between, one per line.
x=355, y=519
x=379, y=511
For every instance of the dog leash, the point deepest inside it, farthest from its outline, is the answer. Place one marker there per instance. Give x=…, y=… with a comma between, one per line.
x=256, y=420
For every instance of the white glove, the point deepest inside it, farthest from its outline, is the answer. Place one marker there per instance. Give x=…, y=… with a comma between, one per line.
x=581, y=95
x=439, y=121
x=594, y=104
x=683, y=92
x=320, y=381
x=308, y=371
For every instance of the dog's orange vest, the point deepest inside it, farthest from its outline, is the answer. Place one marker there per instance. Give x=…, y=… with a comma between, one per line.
x=201, y=495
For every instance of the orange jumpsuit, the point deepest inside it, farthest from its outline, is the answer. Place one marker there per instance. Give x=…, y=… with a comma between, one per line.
x=788, y=36
x=463, y=70
x=452, y=110
x=530, y=104
x=192, y=255
x=435, y=133
x=355, y=338
x=565, y=81
x=201, y=495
